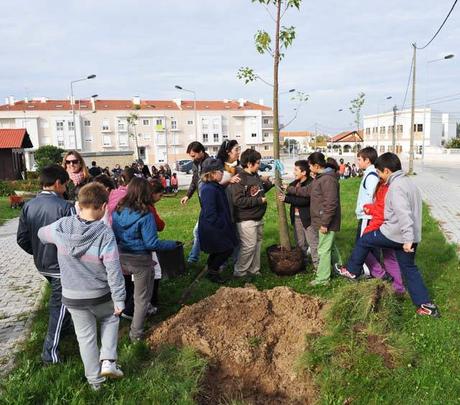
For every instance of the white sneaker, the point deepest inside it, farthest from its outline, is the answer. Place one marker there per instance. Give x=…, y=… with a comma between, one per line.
x=151, y=310
x=111, y=369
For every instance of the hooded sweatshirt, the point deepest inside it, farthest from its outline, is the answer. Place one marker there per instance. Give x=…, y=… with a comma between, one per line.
x=89, y=262
x=136, y=232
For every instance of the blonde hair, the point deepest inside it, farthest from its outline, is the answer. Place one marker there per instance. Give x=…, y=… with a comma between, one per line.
x=84, y=169
x=93, y=195
x=210, y=176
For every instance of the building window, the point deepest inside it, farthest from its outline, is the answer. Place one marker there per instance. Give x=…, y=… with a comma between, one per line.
x=88, y=137
x=123, y=140
x=266, y=121
x=253, y=135
x=216, y=124
x=173, y=124
x=70, y=125
x=87, y=123
x=418, y=127
x=382, y=130
x=205, y=138
x=266, y=135
x=105, y=125
x=399, y=128
x=224, y=136
x=145, y=122
x=215, y=137
x=253, y=147
x=107, y=141
x=382, y=148
x=189, y=122
x=59, y=125
x=60, y=141
x=368, y=131
x=121, y=125
x=267, y=147
x=390, y=129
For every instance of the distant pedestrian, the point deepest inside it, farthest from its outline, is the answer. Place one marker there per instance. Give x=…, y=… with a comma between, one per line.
x=92, y=284
x=95, y=170
x=347, y=172
x=174, y=183
x=46, y=208
x=341, y=168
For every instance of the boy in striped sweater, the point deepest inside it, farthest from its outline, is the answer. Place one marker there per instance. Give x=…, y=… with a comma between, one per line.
x=93, y=287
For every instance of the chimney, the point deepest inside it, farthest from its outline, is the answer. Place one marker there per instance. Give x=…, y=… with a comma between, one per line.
x=136, y=100
x=26, y=100
x=93, y=104
x=43, y=100
x=11, y=100
x=178, y=102
x=261, y=101
x=241, y=101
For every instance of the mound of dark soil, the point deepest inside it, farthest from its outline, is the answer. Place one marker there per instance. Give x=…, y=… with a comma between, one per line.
x=252, y=339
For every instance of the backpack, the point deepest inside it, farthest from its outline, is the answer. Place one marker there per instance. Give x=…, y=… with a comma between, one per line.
x=365, y=178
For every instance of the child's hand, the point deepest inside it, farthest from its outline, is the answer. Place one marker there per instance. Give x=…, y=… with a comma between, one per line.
x=264, y=200
x=407, y=247
x=281, y=197
x=117, y=311
x=235, y=179
x=323, y=229
x=366, y=210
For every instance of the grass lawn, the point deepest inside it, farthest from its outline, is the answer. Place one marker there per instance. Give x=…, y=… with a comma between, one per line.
x=368, y=355
x=6, y=212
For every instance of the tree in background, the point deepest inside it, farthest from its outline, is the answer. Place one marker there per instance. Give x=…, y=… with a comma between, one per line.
x=132, y=122
x=355, y=108
x=283, y=38
x=47, y=155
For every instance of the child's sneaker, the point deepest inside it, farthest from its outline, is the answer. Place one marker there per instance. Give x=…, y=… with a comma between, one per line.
x=343, y=272
x=151, y=310
x=428, y=309
x=111, y=369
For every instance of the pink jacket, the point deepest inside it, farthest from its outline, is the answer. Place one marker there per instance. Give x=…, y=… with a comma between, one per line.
x=114, y=198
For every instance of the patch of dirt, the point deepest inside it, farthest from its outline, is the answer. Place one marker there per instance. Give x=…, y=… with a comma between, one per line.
x=253, y=340
x=377, y=345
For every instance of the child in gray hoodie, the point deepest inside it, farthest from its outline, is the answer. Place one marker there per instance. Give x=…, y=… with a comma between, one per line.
x=93, y=287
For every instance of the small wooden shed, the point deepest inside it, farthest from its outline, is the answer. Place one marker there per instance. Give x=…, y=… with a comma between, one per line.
x=12, y=144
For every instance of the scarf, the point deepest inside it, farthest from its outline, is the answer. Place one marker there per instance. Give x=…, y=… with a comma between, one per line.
x=77, y=178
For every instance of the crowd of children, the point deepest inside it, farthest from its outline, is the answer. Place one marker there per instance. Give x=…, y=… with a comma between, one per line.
x=100, y=255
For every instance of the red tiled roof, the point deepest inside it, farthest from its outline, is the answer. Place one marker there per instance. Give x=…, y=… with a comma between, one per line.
x=294, y=134
x=14, y=139
x=348, y=136
x=37, y=105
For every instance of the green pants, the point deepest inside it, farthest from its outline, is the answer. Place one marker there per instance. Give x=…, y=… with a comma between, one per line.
x=328, y=253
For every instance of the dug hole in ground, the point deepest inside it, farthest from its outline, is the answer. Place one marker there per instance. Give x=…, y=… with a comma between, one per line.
x=252, y=340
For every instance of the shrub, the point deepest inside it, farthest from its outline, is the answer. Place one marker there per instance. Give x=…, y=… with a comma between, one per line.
x=5, y=188
x=25, y=185
x=454, y=143
x=47, y=155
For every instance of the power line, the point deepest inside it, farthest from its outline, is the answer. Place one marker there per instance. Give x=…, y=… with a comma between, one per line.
x=408, y=83
x=440, y=28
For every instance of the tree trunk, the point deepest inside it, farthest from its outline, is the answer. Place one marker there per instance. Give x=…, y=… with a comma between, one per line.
x=282, y=218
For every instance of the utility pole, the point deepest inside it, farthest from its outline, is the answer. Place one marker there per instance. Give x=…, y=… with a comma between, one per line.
x=412, y=114
x=316, y=136
x=393, y=141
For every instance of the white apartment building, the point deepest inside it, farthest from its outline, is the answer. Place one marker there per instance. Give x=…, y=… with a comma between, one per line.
x=433, y=129
x=162, y=128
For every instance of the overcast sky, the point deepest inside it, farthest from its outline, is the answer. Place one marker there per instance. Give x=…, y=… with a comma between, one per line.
x=140, y=47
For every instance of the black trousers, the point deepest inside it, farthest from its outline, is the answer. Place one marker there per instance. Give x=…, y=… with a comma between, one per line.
x=59, y=321
x=215, y=260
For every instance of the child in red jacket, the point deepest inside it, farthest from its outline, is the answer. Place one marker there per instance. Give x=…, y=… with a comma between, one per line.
x=391, y=266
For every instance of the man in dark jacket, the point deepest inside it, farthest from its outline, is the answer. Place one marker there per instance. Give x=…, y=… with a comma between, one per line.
x=198, y=155
x=46, y=208
x=249, y=206
x=95, y=170
x=305, y=234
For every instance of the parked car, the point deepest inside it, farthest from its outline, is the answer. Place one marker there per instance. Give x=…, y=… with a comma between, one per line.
x=267, y=161
x=186, y=167
x=264, y=167
x=179, y=163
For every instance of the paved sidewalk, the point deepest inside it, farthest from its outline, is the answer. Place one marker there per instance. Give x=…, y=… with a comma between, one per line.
x=20, y=286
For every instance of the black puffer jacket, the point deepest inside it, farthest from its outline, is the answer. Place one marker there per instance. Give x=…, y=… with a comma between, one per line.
x=42, y=210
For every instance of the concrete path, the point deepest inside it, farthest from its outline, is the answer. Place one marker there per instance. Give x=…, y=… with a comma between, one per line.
x=20, y=286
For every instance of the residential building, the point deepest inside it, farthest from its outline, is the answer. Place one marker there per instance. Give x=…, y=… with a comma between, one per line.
x=301, y=139
x=433, y=129
x=159, y=129
x=346, y=141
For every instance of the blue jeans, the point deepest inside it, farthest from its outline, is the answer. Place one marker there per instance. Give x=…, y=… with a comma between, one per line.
x=409, y=270
x=194, y=255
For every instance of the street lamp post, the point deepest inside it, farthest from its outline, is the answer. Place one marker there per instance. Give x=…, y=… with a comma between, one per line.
x=194, y=107
x=450, y=56
x=72, y=102
x=378, y=121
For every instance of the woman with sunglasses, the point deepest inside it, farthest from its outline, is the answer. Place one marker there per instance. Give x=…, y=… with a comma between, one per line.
x=79, y=175
x=229, y=155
